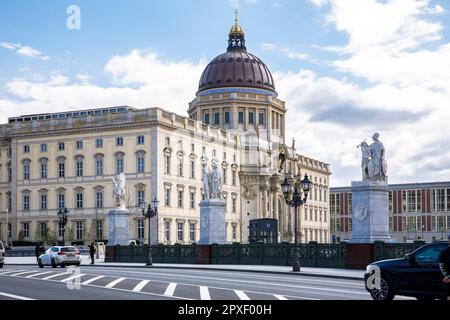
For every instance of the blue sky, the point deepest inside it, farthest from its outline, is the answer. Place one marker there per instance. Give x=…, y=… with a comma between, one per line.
x=345, y=68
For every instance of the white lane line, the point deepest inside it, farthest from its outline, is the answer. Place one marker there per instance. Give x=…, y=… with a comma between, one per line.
x=92, y=280
x=113, y=283
x=140, y=286
x=72, y=277
x=170, y=289
x=21, y=273
x=204, y=293
x=241, y=295
x=10, y=271
x=279, y=297
x=9, y=295
x=38, y=274
x=53, y=276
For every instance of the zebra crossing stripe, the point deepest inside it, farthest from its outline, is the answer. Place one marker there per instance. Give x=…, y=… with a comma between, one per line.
x=170, y=289
x=140, y=286
x=204, y=293
x=52, y=276
x=279, y=297
x=92, y=280
x=72, y=277
x=113, y=283
x=21, y=273
x=241, y=295
x=38, y=274
x=10, y=271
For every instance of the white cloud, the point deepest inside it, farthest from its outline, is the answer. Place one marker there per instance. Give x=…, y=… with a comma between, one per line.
x=236, y=3
x=288, y=52
x=24, y=50
x=268, y=46
x=319, y=3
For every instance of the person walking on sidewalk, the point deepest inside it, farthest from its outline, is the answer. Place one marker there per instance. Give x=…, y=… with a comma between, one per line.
x=444, y=265
x=92, y=252
x=37, y=251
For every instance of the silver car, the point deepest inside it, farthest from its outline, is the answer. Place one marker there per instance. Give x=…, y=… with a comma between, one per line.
x=2, y=254
x=60, y=256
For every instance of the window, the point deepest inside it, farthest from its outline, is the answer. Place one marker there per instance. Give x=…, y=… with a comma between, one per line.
x=140, y=140
x=43, y=204
x=26, y=201
x=79, y=166
x=404, y=207
x=192, y=199
x=167, y=231
x=9, y=172
x=140, y=163
x=192, y=231
x=430, y=253
x=26, y=229
x=140, y=229
x=26, y=170
x=320, y=194
x=206, y=118
x=192, y=147
x=180, y=231
x=224, y=175
x=119, y=141
x=99, y=199
x=438, y=200
x=99, y=143
x=192, y=167
x=79, y=144
x=390, y=202
x=119, y=165
x=99, y=229
x=214, y=152
x=61, y=168
x=61, y=146
x=180, y=167
x=167, y=197
x=79, y=200
x=43, y=228
x=350, y=201
x=250, y=118
x=233, y=204
x=315, y=215
x=8, y=195
x=26, y=148
x=44, y=170
x=168, y=141
x=234, y=231
x=140, y=197
x=240, y=117
x=217, y=118
x=61, y=201
x=261, y=118
x=43, y=147
x=227, y=117
x=79, y=230
x=233, y=177
x=180, y=198
x=306, y=213
x=99, y=166
x=167, y=164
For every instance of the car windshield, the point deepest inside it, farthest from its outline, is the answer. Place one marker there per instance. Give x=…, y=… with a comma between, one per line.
x=69, y=249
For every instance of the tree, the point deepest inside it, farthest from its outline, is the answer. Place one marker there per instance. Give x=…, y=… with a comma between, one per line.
x=21, y=235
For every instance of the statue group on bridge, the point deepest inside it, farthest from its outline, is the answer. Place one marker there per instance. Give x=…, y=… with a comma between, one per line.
x=373, y=162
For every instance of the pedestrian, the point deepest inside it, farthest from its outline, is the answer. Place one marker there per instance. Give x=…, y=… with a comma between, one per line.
x=92, y=252
x=37, y=251
x=444, y=265
x=42, y=248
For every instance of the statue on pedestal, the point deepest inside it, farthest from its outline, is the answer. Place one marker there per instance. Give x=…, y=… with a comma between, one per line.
x=119, y=191
x=373, y=161
x=212, y=181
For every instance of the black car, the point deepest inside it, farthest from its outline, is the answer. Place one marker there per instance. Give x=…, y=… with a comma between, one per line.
x=416, y=275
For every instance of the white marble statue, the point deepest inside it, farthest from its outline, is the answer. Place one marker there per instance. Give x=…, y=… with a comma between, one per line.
x=205, y=180
x=119, y=191
x=212, y=181
x=373, y=161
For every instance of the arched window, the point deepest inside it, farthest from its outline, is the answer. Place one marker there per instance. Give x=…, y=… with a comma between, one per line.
x=140, y=161
x=120, y=162
x=26, y=169
x=79, y=164
x=43, y=162
x=99, y=164
x=61, y=167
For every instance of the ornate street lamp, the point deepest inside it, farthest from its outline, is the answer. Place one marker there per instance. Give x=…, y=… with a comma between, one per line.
x=149, y=213
x=296, y=201
x=62, y=215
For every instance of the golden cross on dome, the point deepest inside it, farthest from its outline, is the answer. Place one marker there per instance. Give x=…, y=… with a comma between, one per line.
x=236, y=12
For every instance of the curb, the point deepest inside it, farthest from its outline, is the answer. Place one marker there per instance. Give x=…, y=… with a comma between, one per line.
x=331, y=276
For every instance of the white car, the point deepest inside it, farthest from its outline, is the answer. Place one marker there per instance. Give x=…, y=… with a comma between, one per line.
x=2, y=254
x=61, y=256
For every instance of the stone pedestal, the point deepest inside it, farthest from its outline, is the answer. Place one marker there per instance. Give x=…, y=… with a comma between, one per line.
x=212, y=222
x=370, y=219
x=119, y=232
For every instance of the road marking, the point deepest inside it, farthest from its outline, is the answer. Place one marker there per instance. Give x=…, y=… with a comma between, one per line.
x=52, y=276
x=204, y=293
x=72, y=277
x=140, y=286
x=15, y=296
x=92, y=280
x=241, y=295
x=170, y=289
x=20, y=273
x=5, y=272
x=38, y=274
x=112, y=284
x=279, y=297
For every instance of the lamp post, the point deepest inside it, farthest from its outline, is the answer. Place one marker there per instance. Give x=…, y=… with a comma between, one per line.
x=423, y=227
x=149, y=213
x=296, y=201
x=62, y=215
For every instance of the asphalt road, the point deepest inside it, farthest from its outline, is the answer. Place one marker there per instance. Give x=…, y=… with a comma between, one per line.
x=121, y=283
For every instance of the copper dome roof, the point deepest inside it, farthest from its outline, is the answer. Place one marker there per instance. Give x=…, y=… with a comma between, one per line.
x=236, y=67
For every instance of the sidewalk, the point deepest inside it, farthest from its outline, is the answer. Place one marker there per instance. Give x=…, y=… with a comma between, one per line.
x=305, y=271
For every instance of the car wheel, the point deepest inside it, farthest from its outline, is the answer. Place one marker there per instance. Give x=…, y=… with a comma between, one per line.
x=54, y=263
x=63, y=265
x=1, y=265
x=40, y=264
x=385, y=293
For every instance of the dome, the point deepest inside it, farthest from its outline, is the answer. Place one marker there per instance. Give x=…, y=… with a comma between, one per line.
x=236, y=67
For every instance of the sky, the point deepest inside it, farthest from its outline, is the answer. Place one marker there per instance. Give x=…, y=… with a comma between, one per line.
x=346, y=68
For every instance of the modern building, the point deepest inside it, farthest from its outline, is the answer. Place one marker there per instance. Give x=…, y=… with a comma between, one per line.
x=67, y=160
x=417, y=211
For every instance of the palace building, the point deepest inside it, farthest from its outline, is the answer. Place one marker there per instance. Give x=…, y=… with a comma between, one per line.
x=67, y=160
